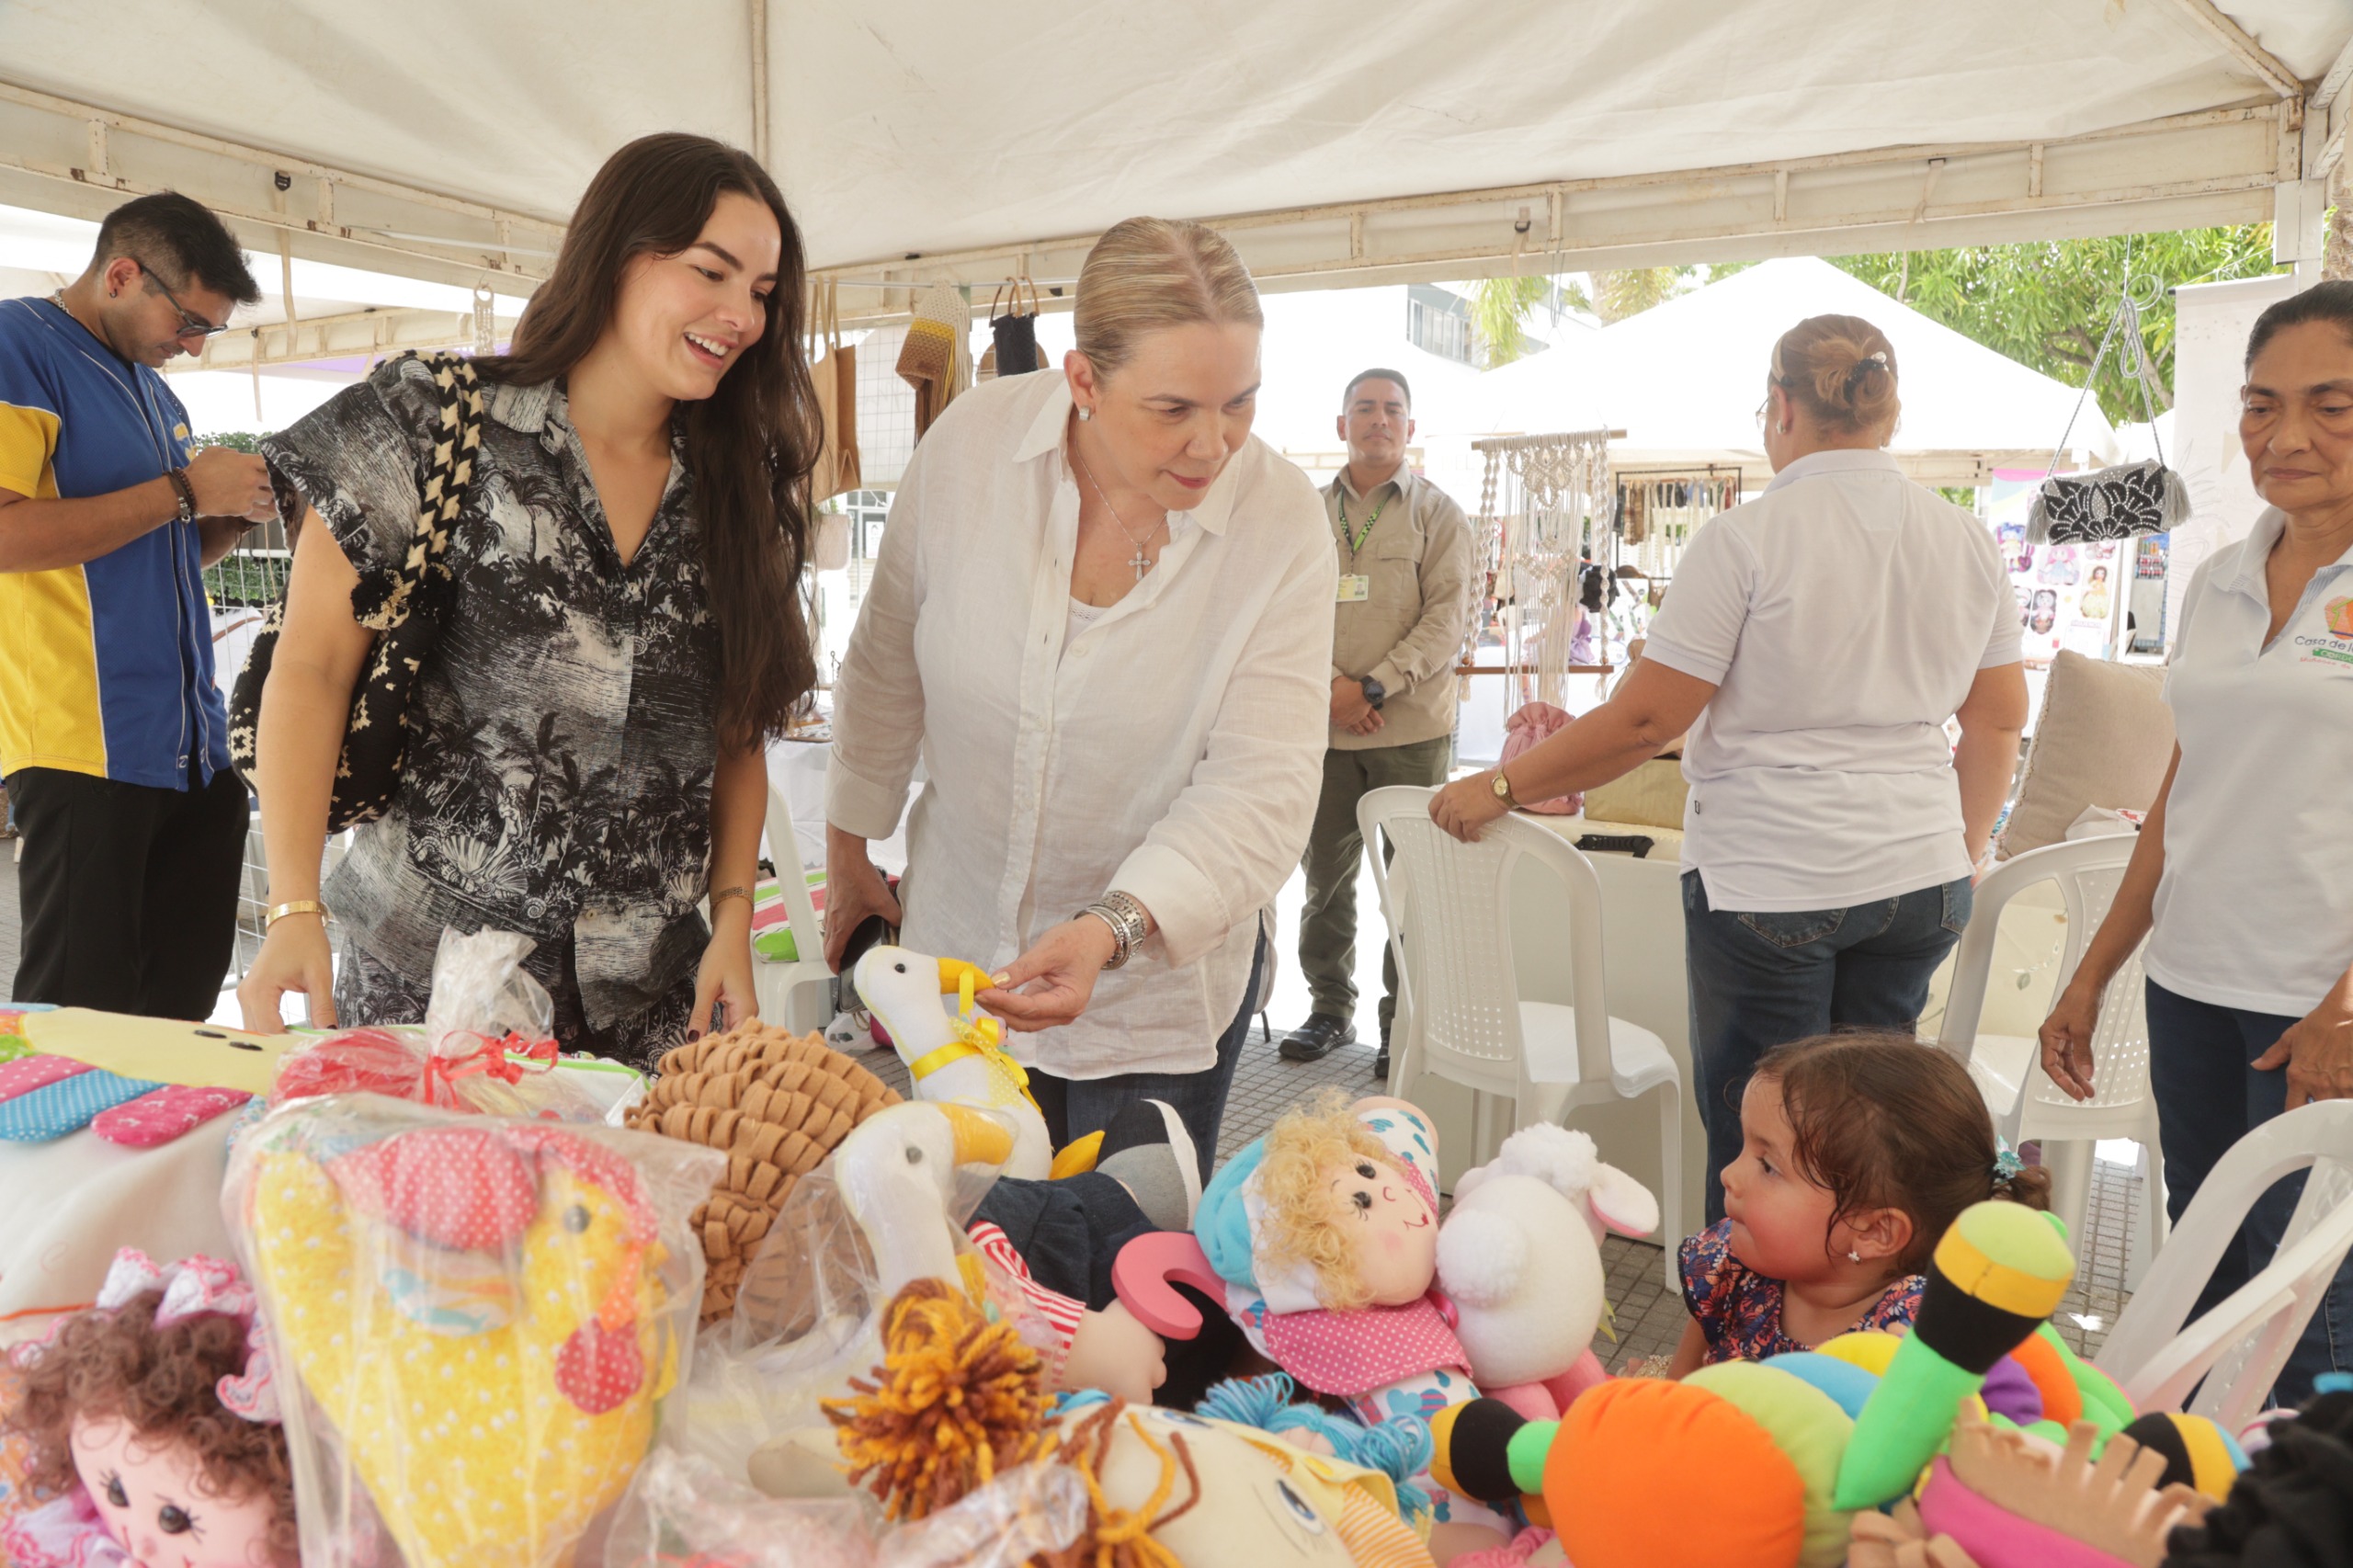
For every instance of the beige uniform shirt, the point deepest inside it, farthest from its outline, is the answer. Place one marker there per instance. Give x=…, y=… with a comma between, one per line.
x=1406, y=631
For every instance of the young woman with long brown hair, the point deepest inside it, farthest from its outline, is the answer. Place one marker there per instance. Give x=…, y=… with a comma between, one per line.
x=619, y=636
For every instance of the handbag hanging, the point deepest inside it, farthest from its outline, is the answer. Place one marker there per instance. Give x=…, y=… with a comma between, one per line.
x=1016, y=332
x=2127, y=499
x=404, y=607
x=835, y=376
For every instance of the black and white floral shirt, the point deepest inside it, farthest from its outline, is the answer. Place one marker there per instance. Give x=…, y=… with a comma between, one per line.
x=563, y=738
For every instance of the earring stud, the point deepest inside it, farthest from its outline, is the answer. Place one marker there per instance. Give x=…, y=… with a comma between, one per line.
x=1087, y=413
x=1854, y=1257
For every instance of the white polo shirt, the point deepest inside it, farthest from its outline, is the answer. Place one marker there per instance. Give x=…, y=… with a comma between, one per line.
x=2256, y=907
x=1842, y=616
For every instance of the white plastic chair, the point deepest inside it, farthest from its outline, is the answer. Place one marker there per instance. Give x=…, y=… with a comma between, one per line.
x=783, y=988
x=2234, y=1354
x=2024, y=1102
x=1460, y=1015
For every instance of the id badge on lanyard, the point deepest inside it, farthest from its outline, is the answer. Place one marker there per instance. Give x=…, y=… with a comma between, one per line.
x=1355, y=588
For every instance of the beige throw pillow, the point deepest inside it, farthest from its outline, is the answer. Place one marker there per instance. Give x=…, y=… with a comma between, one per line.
x=1651, y=796
x=2104, y=739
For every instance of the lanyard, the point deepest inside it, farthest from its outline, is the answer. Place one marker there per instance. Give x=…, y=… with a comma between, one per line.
x=1356, y=540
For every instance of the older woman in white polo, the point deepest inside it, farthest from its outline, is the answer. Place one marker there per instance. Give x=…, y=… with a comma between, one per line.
x=2243, y=877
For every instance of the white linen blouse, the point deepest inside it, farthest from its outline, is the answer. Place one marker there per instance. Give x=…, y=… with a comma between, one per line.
x=1172, y=750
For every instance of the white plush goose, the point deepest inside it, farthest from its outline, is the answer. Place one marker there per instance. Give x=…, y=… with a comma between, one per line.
x=953, y=1057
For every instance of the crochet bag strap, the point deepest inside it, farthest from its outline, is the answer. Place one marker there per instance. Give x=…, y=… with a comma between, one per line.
x=2126, y=320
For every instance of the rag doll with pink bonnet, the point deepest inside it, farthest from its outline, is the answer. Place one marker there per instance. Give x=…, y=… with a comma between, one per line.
x=152, y=1429
x=1326, y=1233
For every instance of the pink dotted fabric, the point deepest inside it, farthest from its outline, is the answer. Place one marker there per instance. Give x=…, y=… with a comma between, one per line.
x=27, y=1073
x=455, y=1187
x=170, y=1112
x=1352, y=1353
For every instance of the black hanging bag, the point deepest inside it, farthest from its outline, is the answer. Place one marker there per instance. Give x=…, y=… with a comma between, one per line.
x=2124, y=501
x=403, y=608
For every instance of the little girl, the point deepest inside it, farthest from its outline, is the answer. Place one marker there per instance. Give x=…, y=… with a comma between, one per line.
x=1859, y=1149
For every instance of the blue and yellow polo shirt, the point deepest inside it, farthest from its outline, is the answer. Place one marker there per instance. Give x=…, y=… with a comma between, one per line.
x=105, y=668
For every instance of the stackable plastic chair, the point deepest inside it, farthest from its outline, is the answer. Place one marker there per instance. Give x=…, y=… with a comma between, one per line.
x=784, y=987
x=2024, y=1102
x=2232, y=1355
x=1460, y=1015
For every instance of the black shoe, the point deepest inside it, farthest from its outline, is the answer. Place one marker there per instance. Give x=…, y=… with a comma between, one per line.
x=1317, y=1039
x=1381, y=1062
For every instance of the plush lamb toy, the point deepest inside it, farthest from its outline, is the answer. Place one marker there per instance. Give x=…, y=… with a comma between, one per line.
x=1520, y=1257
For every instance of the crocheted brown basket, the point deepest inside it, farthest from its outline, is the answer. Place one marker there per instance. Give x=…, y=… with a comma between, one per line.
x=776, y=1103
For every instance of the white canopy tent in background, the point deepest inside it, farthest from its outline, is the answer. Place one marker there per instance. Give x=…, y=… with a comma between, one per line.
x=1683, y=380
x=925, y=139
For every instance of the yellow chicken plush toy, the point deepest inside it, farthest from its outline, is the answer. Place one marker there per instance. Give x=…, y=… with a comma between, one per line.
x=477, y=1309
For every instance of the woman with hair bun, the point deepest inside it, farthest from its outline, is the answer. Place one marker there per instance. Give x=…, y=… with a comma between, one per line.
x=1819, y=636
x=1102, y=619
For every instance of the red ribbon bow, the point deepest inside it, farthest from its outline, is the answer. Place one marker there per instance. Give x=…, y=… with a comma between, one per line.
x=493, y=1058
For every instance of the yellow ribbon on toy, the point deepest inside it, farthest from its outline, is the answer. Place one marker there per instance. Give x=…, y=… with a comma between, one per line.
x=976, y=1033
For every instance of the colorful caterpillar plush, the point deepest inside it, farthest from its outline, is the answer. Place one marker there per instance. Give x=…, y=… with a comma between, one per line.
x=1790, y=1447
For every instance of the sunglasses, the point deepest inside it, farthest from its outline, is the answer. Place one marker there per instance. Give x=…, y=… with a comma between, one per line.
x=191, y=325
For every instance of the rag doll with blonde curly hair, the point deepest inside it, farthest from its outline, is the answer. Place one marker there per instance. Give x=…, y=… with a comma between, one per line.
x=1326, y=1233
x=153, y=1430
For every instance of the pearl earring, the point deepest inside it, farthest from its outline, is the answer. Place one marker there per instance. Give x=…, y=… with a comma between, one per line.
x=1087, y=413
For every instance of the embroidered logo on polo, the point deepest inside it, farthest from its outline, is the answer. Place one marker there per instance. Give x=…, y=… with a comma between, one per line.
x=2336, y=646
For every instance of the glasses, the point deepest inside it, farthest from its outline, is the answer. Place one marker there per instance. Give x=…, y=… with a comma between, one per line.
x=191, y=325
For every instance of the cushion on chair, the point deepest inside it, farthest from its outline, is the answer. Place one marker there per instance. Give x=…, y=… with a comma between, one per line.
x=2105, y=738
x=1651, y=795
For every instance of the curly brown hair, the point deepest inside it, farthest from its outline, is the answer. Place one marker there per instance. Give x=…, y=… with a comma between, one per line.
x=1885, y=1122
x=163, y=1382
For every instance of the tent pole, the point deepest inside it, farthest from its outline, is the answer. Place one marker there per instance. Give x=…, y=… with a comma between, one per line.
x=760, y=81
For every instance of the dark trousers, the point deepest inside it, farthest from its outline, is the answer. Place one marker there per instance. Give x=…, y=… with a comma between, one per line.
x=1759, y=981
x=1076, y=1107
x=1327, y=920
x=128, y=892
x=2209, y=1097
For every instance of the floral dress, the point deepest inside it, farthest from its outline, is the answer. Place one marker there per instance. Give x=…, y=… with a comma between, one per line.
x=1740, y=1310
x=562, y=734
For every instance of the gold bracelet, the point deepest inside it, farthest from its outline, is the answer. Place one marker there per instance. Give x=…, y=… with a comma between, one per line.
x=724, y=894
x=299, y=906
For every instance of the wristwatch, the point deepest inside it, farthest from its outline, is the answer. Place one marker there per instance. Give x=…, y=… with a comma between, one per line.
x=1374, y=692
x=1502, y=788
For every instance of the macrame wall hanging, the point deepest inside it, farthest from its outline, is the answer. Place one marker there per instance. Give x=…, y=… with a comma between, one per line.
x=1545, y=504
x=1658, y=511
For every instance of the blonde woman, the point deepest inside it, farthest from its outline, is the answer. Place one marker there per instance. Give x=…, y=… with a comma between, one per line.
x=1102, y=620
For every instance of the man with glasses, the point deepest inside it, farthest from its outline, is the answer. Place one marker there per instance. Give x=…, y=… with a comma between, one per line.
x=113, y=737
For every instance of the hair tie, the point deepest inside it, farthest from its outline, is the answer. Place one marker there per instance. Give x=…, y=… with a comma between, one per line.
x=2007, y=1164
x=1875, y=360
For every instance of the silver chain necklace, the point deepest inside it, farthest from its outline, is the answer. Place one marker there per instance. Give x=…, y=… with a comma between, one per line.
x=1140, y=560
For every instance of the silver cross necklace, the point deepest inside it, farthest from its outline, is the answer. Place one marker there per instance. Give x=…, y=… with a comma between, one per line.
x=1140, y=560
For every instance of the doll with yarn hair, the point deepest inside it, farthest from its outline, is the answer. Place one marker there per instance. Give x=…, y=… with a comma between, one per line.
x=154, y=1429
x=1325, y=1234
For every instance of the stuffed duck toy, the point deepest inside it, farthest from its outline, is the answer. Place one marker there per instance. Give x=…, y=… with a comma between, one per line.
x=1519, y=1256
x=958, y=1058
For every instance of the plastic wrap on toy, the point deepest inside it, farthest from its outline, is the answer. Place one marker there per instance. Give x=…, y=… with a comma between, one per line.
x=683, y=1509
x=807, y=1311
x=483, y=1316
x=485, y=1045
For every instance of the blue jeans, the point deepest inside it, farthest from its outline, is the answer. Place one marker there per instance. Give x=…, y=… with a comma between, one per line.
x=2209, y=1096
x=1076, y=1107
x=1759, y=981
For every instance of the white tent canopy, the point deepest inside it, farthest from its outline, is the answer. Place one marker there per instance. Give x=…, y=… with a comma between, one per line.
x=1683, y=381
x=935, y=138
